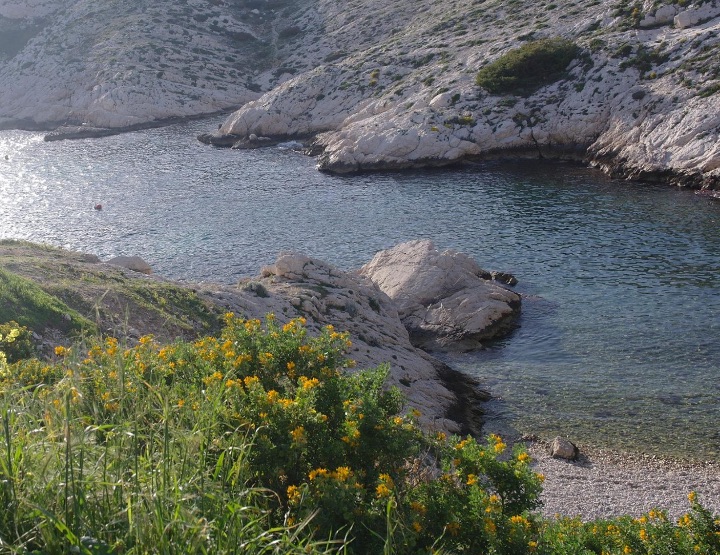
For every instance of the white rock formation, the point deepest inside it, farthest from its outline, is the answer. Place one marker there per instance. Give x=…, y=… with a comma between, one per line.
x=297, y=285
x=383, y=85
x=444, y=299
x=134, y=263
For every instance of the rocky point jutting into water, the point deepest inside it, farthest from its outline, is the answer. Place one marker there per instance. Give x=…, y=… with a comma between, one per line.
x=121, y=298
x=367, y=84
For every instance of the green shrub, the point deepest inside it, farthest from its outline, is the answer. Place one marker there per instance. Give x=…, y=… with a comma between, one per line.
x=16, y=342
x=258, y=441
x=527, y=68
x=152, y=437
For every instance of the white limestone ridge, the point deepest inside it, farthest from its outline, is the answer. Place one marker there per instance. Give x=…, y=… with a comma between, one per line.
x=382, y=85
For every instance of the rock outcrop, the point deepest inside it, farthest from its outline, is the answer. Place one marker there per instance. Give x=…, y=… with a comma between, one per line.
x=134, y=263
x=381, y=86
x=444, y=299
x=118, y=301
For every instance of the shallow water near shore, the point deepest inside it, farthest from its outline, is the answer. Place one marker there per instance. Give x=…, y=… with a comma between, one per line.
x=618, y=345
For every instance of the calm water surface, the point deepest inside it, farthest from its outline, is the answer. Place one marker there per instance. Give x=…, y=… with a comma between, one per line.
x=618, y=344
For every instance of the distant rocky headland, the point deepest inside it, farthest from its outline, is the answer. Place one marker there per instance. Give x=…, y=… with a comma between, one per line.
x=407, y=297
x=629, y=87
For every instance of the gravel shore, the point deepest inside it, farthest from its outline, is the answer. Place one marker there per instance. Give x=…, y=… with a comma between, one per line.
x=607, y=484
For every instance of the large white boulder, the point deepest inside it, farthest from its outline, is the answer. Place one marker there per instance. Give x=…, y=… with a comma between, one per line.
x=445, y=300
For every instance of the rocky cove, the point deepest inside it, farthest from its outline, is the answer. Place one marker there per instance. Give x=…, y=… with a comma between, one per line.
x=368, y=87
x=406, y=296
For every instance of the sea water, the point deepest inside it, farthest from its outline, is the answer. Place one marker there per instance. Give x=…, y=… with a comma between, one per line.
x=618, y=344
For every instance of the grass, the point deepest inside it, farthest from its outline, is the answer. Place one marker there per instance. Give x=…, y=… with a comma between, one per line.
x=258, y=441
x=25, y=302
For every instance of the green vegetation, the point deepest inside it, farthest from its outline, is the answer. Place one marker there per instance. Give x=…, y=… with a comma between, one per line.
x=529, y=67
x=15, y=342
x=29, y=305
x=257, y=441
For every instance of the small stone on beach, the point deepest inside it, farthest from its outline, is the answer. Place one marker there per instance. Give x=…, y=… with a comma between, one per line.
x=562, y=448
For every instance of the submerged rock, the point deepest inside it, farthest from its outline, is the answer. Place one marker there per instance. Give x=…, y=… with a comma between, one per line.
x=444, y=299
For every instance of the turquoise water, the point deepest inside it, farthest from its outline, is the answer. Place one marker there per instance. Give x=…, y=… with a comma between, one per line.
x=618, y=345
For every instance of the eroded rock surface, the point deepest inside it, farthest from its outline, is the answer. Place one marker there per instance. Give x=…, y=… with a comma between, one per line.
x=444, y=299
x=381, y=85
x=297, y=285
x=130, y=304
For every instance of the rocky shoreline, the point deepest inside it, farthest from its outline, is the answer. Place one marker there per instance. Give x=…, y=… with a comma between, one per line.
x=122, y=298
x=638, y=93
x=606, y=484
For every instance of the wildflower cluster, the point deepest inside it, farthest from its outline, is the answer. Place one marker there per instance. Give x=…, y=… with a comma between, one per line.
x=697, y=531
x=149, y=447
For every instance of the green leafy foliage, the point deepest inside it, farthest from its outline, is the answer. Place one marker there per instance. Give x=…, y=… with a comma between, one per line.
x=26, y=303
x=525, y=69
x=258, y=441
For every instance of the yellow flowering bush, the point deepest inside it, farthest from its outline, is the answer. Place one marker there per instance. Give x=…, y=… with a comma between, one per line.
x=119, y=448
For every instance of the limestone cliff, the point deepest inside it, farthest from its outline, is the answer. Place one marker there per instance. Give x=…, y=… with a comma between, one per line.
x=381, y=85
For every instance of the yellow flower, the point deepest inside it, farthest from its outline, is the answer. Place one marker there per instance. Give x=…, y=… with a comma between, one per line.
x=627, y=549
x=382, y=491
x=643, y=534
x=385, y=487
x=291, y=366
x=471, y=480
x=500, y=447
x=293, y=493
x=417, y=526
x=322, y=472
x=532, y=544
x=453, y=528
x=462, y=444
x=145, y=339
x=308, y=384
x=250, y=380
x=181, y=403
x=342, y=473
x=298, y=434
x=523, y=457
x=272, y=395
x=494, y=498
x=418, y=507
x=61, y=351
x=692, y=496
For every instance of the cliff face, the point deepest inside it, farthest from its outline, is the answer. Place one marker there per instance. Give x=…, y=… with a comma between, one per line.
x=382, y=87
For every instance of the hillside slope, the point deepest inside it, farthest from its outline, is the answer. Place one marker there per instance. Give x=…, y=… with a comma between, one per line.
x=383, y=87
